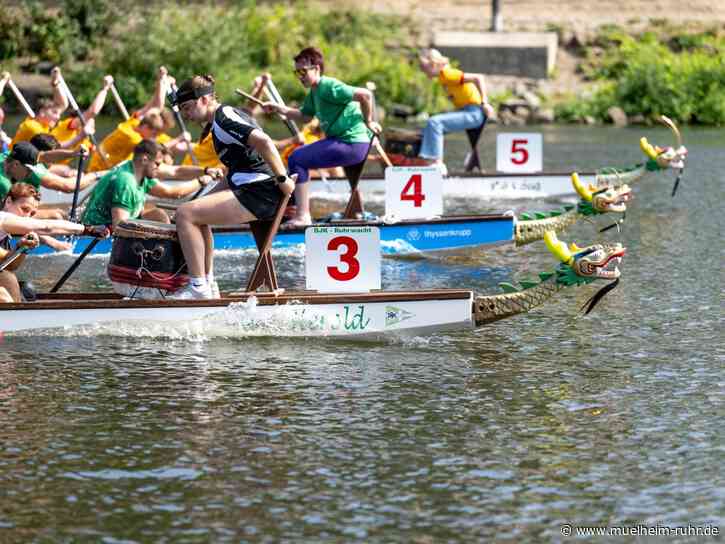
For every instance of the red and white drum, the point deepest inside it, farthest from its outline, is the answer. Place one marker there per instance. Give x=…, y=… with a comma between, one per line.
x=146, y=260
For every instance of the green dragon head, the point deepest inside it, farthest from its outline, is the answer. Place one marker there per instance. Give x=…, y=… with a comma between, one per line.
x=662, y=158
x=601, y=200
x=584, y=265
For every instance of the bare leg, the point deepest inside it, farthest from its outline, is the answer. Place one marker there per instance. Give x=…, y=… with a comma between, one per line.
x=152, y=213
x=302, y=199
x=208, y=248
x=221, y=208
x=9, y=288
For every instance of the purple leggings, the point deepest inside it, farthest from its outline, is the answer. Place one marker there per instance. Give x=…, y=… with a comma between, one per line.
x=325, y=153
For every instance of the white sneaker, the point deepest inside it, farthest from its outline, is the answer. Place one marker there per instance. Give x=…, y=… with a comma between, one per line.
x=193, y=293
x=214, y=286
x=442, y=168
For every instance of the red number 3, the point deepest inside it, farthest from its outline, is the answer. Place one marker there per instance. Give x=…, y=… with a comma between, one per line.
x=517, y=147
x=353, y=265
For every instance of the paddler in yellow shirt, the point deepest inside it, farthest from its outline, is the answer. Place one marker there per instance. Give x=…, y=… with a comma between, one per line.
x=48, y=114
x=467, y=91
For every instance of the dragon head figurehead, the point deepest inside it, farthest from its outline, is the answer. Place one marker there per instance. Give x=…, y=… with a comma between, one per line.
x=666, y=157
x=584, y=265
x=601, y=199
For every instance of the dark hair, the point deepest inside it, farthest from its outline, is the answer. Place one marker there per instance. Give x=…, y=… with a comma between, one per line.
x=149, y=148
x=45, y=142
x=21, y=190
x=311, y=56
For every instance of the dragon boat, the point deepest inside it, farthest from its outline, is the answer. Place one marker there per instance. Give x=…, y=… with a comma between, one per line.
x=311, y=314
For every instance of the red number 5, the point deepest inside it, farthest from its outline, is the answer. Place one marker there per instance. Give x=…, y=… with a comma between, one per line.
x=353, y=265
x=517, y=147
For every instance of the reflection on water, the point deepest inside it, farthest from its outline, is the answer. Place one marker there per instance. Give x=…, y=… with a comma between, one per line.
x=506, y=433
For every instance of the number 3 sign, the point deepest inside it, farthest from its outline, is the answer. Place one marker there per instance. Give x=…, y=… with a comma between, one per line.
x=413, y=192
x=519, y=153
x=342, y=259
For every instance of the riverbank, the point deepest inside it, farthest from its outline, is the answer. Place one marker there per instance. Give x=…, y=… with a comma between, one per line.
x=626, y=64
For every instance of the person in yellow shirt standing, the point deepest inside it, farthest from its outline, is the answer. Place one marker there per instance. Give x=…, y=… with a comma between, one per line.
x=48, y=114
x=467, y=91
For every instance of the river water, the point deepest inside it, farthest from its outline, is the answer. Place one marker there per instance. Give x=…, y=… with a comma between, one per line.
x=505, y=434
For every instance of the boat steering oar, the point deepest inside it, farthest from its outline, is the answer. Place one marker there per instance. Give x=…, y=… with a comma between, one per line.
x=100, y=233
x=82, y=119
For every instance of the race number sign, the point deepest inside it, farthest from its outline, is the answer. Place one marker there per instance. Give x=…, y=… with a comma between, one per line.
x=342, y=259
x=413, y=192
x=519, y=153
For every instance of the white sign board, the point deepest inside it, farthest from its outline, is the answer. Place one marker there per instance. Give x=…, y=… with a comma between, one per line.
x=519, y=153
x=342, y=259
x=413, y=192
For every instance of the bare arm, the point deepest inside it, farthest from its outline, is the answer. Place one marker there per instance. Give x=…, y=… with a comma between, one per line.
x=14, y=224
x=159, y=96
x=64, y=184
x=59, y=97
x=291, y=113
x=179, y=190
x=4, y=78
x=264, y=145
x=365, y=98
x=100, y=99
x=480, y=83
x=119, y=215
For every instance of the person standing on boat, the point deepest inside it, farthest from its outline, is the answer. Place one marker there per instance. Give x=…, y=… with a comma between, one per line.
x=346, y=117
x=121, y=193
x=248, y=193
x=16, y=218
x=467, y=91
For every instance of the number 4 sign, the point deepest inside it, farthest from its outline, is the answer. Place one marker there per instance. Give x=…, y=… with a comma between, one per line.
x=519, y=153
x=413, y=192
x=342, y=259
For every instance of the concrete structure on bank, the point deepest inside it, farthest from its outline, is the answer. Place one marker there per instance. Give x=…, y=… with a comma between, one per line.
x=521, y=54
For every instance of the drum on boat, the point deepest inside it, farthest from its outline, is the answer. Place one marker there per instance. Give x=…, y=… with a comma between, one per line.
x=146, y=260
x=402, y=143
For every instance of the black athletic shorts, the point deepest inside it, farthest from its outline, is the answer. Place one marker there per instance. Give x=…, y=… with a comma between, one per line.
x=259, y=197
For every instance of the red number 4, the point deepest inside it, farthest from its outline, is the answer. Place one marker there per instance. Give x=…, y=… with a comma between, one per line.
x=517, y=147
x=415, y=184
x=348, y=257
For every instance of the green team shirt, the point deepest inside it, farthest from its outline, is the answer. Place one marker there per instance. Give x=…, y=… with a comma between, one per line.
x=117, y=189
x=36, y=174
x=340, y=116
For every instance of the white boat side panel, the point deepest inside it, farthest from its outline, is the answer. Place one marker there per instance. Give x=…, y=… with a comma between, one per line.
x=248, y=319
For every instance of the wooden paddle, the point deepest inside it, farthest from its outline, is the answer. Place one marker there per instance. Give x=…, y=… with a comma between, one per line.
x=119, y=103
x=180, y=121
x=76, y=190
x=13, y=256
x=100, y=233
x=271, y=90
x=21, y=99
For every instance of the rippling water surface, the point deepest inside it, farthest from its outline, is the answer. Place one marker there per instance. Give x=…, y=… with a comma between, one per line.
x=506, y=433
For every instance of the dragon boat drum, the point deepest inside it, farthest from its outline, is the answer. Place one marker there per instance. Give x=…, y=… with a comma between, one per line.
x=402, y=142
x=146, y=260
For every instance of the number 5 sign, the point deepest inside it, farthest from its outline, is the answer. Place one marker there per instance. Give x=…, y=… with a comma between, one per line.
x=342, y=259
x=413, y=192
x=519, y=153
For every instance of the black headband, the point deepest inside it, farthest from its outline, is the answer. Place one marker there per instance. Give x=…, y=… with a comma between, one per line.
x=183, y=95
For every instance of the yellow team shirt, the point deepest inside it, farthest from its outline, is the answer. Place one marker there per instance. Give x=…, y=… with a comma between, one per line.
x=118, y=145
x=462, y=94
x=29, y=128
x=64, y=132
x=310, y=138
x=205, y=154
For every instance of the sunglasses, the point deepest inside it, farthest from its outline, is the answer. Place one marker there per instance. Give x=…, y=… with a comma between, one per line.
x=303, y=71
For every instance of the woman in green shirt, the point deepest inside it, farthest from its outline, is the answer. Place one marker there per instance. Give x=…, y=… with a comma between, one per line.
x=346, y=117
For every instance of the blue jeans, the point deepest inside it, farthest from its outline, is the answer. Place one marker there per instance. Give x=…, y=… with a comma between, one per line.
x=456, y=121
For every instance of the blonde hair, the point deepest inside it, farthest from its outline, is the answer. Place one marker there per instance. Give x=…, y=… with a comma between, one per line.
x=433, y=56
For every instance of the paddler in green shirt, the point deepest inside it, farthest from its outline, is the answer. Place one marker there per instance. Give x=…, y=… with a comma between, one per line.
x=121, y=193
x=346, y=117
